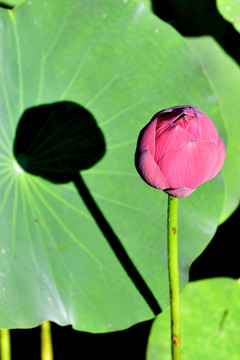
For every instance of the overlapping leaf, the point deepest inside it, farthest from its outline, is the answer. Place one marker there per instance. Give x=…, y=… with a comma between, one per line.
x=230, y=10
x=210, y=312
x=122, y=64
x=224, y=73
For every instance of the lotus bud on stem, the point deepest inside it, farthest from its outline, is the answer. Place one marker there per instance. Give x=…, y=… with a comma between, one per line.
x=177, y=151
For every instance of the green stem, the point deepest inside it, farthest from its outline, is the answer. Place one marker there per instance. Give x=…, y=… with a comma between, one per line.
x=46, y=341
x=5, y=344
x=174, y=277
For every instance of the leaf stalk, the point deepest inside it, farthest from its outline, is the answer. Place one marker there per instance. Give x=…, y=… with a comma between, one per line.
x=5, y=344
x=46, y=341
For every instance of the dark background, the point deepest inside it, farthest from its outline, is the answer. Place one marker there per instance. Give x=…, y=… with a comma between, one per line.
x=220, y=258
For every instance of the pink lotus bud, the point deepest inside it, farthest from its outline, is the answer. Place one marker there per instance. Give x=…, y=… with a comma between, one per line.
x=178, y=150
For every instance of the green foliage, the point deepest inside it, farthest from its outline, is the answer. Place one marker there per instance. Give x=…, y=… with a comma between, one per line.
x=122, y=64
x=210, y=319
x=230, y=10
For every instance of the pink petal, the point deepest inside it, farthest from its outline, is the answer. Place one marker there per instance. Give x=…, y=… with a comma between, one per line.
x=193, y=128
x=171, y=139
x=208, y=130
x=220, y=160
x=162, y=126
x=149, y=170
x=188, y=110
x=146, y=138
x=190, y=165
x=184, y=120
x=180, y=192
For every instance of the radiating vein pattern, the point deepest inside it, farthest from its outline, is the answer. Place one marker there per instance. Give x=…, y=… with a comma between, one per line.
x=124, y=143
x=58, y=38
x=14, y=218
x=7, y=104
x=109, y=172
x=19, y=60
x=44, y=267
x=120, y=203
x=120, y=113
x=62, y=201
x=5, y=158
x=75, y=75
x=115, y=76
x=45, y=56
x=61, y=223
x=5, y=146
x=5, y=195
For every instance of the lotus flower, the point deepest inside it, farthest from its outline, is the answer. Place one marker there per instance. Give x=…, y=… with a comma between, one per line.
x=178, y=150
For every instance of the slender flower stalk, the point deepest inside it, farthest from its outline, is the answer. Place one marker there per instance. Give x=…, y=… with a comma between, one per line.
x=5, y=344
x=174, y=277
x=46, y=341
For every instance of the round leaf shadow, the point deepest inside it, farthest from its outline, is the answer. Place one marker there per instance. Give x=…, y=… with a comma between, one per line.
x=56, y=141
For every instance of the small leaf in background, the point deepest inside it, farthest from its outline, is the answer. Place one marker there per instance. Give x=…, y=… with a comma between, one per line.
x=210, y=316
x=230, y=11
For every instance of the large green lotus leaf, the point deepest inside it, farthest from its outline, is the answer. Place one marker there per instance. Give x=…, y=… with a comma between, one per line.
x=121, y=64
x=230, y=11
x=224, y=73
x=210, y=323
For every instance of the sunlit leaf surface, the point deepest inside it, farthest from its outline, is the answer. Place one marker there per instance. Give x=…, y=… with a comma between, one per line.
x=121, y=64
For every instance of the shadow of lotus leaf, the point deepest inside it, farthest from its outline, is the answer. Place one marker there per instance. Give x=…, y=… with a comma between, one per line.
x=56, y=141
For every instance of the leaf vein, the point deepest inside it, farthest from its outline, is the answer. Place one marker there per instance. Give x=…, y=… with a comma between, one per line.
x=64, y=228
